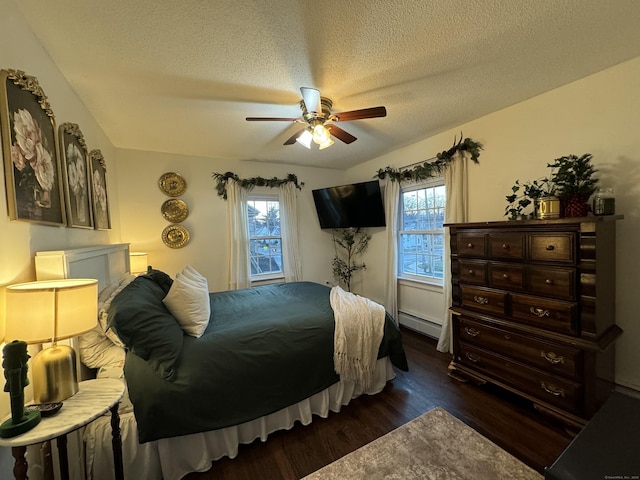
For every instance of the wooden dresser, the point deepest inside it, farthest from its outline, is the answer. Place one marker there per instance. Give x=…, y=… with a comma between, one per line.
x=534, y=310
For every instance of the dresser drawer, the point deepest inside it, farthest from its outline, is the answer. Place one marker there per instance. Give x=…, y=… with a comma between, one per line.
x=552, y=248
x=473, y=271
x=550, y=357
x=507, y=245
x=544, y=313
x=556, y=391
x=556, y=282
x=470, y=244
x=483, y=299
x=505, y=275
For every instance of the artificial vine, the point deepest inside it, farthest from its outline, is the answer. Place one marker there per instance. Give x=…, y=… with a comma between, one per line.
x=435, y=167
x=248, y=183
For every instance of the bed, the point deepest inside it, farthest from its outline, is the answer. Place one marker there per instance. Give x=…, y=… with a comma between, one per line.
x=262, y=361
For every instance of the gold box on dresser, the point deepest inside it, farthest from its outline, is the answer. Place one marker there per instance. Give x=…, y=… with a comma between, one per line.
x=534, y=310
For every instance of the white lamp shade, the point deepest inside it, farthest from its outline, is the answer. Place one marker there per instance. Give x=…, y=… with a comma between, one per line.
x=326, y=144
x=321, y=134
x=138, y=262
x=305, y=139
x=50, y=310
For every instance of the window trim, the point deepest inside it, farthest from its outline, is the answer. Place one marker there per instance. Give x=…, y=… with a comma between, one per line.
x=264, y=277
x=408, y=277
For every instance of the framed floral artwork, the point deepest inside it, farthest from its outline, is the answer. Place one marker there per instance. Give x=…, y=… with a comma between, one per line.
x=32, y=171
x=100, y=199
x=75, y=176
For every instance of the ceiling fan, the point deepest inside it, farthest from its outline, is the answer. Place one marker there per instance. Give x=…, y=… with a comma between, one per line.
x=316, y=113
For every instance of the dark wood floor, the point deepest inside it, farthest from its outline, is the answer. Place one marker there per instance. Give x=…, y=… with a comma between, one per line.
x=505, y=419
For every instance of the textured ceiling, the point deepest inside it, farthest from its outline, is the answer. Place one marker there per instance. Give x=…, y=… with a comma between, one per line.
x=181, y=76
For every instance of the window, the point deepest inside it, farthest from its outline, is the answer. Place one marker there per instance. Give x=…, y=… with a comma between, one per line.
x=421, y=242
x=265, y=240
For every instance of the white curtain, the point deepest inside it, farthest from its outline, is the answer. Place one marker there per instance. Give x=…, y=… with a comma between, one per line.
x=391, y=200
x=289, y=233
x=457, y=210
x=239, y=272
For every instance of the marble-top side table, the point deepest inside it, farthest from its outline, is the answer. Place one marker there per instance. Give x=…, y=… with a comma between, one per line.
x=93, y=399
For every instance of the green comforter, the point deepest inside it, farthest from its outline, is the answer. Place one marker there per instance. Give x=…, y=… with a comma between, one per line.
x=265, y=348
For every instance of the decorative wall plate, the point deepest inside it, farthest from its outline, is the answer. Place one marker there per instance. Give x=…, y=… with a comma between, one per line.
x=172, y=184
x=175, y=236
x=174, y=210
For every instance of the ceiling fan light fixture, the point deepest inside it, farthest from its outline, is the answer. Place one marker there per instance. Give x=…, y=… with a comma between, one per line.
x=321, y=134
x=305, y=139
x=326, y=144
x=316, y=114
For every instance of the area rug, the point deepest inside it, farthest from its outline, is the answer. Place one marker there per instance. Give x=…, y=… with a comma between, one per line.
x=434, y=446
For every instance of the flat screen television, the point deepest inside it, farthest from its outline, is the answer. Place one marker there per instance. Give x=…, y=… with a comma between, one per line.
x=356, y=205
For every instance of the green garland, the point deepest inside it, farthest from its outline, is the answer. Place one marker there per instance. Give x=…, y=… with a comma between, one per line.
x=248, y=183
x=436, y=167
x=420, y=172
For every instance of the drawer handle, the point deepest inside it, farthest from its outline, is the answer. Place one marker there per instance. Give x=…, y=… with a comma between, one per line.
x=480, y=300
x=505, y=246
x=470, y=271
x=552, y=358
x=472, y=332
x=539, y=312
x=552, y=389
x=473, y=357
x=469, y=245
x=550, y=247
x=505, y=276
x=548, y=281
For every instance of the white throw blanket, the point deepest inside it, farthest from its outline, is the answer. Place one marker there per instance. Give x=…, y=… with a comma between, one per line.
x=357, y=337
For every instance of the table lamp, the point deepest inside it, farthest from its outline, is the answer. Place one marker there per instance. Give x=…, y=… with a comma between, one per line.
x=48, y=311
x=138, y=262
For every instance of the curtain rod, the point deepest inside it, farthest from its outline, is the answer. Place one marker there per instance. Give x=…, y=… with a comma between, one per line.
x=417, y=163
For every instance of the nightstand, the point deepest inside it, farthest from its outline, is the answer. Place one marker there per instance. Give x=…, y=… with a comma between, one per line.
x=93, y=399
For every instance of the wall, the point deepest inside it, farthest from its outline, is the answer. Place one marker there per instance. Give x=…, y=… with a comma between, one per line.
x=208, y=249
x=599, y=114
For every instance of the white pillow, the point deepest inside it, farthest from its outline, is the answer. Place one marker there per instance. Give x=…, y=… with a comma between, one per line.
x=96, y=350
x=188, y=301
x=99, y=348
x=103, y=307
x=192, y=274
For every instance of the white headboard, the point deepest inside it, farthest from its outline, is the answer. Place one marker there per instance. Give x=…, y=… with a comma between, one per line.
x=106, y=263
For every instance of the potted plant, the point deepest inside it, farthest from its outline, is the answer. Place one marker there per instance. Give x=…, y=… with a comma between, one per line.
x=575, y=182
x=532, y=193
x=352, y=243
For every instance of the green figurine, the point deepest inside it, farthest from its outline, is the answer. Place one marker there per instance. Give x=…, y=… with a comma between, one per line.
x=15, y=372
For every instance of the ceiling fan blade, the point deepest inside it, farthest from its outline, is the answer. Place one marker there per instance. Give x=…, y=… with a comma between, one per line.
x=311, y=98
x=340, y=134
x=271, y=119
x=294, y=137
x=372, y=112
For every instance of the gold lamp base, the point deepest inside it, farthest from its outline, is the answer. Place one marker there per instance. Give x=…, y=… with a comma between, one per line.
x=54, y=374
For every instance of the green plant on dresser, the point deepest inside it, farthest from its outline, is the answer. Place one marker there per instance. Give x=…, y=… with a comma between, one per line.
x=575, y=181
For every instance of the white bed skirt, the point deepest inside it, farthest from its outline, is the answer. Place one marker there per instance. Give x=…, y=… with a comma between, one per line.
x=172, y=458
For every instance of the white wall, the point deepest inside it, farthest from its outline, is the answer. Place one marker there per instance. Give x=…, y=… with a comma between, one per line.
x=208, y=250
x=599, y=114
